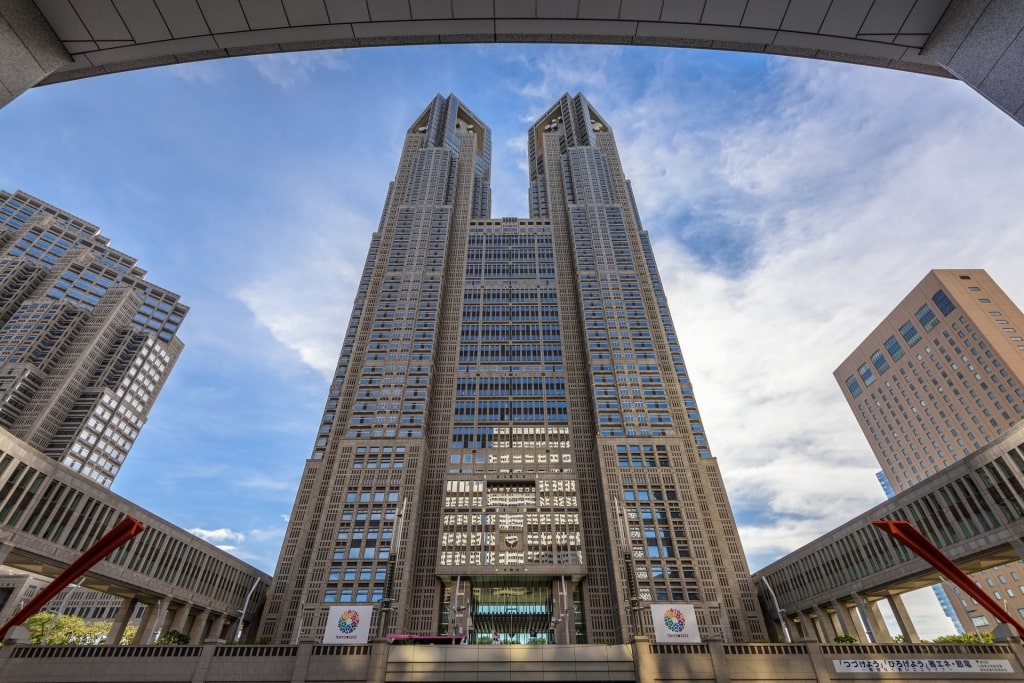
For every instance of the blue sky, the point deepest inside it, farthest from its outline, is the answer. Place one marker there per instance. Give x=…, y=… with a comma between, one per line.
x=791, y=204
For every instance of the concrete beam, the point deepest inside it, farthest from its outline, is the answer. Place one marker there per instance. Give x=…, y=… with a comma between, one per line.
x=29, y=49
x=981, y=42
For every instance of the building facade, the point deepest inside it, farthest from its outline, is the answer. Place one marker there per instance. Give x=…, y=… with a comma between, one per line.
x=941, y=376
x=511, y=445
x=86, y=342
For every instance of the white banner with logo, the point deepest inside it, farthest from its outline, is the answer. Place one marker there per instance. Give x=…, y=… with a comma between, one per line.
x=348, y=625
x=675, y=623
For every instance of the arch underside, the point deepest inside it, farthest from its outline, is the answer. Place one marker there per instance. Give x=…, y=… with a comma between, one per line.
x=121, y=35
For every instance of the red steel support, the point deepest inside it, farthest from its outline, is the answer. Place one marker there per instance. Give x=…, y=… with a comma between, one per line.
x=905, y=533
x=126, y=529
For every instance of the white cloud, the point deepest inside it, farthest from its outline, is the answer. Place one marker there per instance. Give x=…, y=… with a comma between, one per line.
x=205, y=73
x=218, y=536
x=305, y=282
x=290, y=69
x=846, y=195
x=258, y=546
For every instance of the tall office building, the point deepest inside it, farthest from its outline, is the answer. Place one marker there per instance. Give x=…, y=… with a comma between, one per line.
x=941, y=376
x=86, y=342
x=517, y=388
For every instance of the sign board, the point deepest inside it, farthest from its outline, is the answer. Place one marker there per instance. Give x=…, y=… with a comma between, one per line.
x=674, y=623
x=923, y=666
x=348, y=625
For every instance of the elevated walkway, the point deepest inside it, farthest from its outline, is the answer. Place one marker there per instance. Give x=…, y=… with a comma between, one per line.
x=973, y=511
x=49, y=515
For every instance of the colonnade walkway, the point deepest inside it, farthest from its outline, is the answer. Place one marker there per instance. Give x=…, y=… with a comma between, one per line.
x=973, y=511
x=49, y=515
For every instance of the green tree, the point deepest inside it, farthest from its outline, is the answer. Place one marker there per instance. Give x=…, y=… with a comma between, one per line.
x=65, y=629
x=845, y=638
x=965, y=638
x=129, y=634
x=173, y=637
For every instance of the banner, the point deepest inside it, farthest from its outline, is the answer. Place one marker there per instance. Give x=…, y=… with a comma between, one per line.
x=675, y=624
x=348, y=625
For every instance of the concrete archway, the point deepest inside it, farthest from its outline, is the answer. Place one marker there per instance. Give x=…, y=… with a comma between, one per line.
x=981, y=42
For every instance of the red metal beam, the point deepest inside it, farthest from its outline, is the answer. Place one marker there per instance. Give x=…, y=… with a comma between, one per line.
x=126, y=529
x=905, y=533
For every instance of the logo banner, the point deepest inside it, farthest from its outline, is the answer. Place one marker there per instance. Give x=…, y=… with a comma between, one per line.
x=675, y=623
x=348, y=625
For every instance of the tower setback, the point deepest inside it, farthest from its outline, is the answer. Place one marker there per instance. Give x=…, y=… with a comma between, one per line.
x=511, y=444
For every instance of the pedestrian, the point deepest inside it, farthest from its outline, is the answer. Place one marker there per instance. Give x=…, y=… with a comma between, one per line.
x=495, y=638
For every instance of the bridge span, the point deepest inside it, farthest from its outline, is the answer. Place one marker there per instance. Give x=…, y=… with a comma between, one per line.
x=973, y=511
x=981, y=42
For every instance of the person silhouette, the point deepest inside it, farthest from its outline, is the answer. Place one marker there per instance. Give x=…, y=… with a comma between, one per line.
x=495, y=638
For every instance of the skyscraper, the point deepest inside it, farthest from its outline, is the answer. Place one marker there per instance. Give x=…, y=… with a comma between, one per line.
x=86, y=342
x=942, y=375
x=517, y=389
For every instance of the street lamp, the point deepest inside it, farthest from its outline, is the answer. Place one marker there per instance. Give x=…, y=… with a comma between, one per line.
x=60, y=609
x=973, y=622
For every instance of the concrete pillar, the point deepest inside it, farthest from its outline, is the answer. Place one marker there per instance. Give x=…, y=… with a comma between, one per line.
x=828, y=630
x=564, y=615
x=858, y=625
x=180, y=618
x=5, y=548
x=152, y=618
x=805, y=627
x=379, y=651
x=981, y=42
x=899, y=610
x=792, y=629
x=121, y=619
x=29, y=49
x=198, y=631
x=302, y=657
x=203, y=666
x=845, y=621
x=718, y=661
x=808, y=627
x=165, y=623
x=872, y=618
x=822, y=668
x=217, y=630
x=459, y=605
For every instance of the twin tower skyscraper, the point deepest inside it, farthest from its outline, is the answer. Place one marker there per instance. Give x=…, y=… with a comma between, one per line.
x=511, y=444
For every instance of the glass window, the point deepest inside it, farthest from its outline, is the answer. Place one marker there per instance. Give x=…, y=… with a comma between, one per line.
x=892, y=345
x=910, y=333
x=853, y=385
x=942, y=301
x=927, y=318
x=879, y=361
x=865, y=374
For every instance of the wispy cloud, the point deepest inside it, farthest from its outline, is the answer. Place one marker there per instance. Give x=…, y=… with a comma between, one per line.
x=258, y=546
x=290, y=69
x=204, y=73
x=845, y=197
x=219, y=536
x=304, y=291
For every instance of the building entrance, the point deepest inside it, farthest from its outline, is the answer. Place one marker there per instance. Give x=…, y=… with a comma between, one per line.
x=510, y=610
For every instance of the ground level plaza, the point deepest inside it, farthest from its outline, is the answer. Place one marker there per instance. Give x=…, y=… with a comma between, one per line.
x=641, y=661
